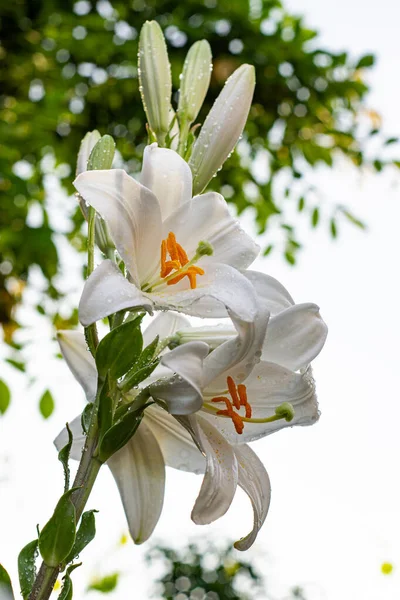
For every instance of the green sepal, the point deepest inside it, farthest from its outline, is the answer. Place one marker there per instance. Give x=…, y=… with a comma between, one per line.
x=84, y=535
x=86, y=417
x=102, y=155
x=105, y=411
x=6, y=591
x=58, y=535
x=67, y=588
x=63, y=457
x=119, y=349
x=119, y=434
x=27, y=568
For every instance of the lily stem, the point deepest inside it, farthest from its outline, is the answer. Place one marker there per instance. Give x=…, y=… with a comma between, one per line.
x=92, y=338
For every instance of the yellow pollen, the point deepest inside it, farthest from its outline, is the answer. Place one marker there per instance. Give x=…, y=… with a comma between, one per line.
x=177, y=262
x=239, y=399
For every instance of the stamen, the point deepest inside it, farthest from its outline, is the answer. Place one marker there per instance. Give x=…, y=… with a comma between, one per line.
x=233, y=392
x=180, y=262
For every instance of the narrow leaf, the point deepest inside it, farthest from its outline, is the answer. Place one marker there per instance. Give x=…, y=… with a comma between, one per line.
x=27, y=568
x=119, y=349
x=67, y=589
x=85, y=534
x=46, y=404
x=58, y=535
x=119, y=434
x=86, y=416
x=135, y=376
x=5, y=397
x=63, y=457
x=315, y=217
x=105, y=413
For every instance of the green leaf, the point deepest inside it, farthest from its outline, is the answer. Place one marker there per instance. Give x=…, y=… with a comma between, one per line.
x=84, y=535
x=105, y=412
x=135, y=376
x=67, y=589
x=353, y=219
x=46, y=404
x=5, y=397
x=148, y=353
x=58, y=535
x=301, y=204
x=315, y=217
x=106, y=585
x=16, y=364
x=366, y=61
x=27, y=568
x=333, y=228
x=392, y=140
x=290, y=258
x=119, y=434
x=86, y=416
x=102, y=155
x=119, y=349
x=63, y=457
x=268, y=250
x=6, y=591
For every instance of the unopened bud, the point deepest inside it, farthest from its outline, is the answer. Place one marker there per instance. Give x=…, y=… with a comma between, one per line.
x=195, y=80
x=222, y=127
x=155, y=79
x=102, y=155
x=285, y=411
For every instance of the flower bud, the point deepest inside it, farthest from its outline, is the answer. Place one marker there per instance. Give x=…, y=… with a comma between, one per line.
x=195, y=80
x=222, y=127
x=155, y=79
x=102, y=155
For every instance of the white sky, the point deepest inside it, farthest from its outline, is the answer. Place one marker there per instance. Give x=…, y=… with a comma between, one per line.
x=335, y=513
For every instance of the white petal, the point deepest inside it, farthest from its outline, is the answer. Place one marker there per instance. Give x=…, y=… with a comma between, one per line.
x=106, y=292
x=207, y=218
x=78, y=440
x=272, y=294
x=295, y=337
x=268, y=386
x=87, y=145
x=220, y=480
x=183, y=392
x=133, y=216
x=164, y=325
x=254, y=480
x=177, y=446
x=168, y=176
x=79, y=360
x=220, y=288
x=139, y=471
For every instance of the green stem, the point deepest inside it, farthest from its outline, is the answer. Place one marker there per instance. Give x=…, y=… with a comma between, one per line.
x=184, y=127
x=92, y=338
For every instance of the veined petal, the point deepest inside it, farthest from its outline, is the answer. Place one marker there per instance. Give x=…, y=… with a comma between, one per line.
x=132, y=213
x=273, y=296
x=295, y=337
x=168, y=176
x=164, y=325
x=183, y=392
x=268, y=386
x=207, y=218
x=79, y=360
x=177, y=446
x=220, y=480
x=220, y=288
x=78, y=440
x=107, y=291
x=254, y=480
x=139, y=471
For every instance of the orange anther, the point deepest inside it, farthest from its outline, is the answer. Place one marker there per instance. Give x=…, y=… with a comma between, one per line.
x=179, y=259
x=172, y=246
x=183, y=257
x=239, y=399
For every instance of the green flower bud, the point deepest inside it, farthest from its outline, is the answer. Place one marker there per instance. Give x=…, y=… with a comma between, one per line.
x=195, y=80
x=155, y=79
x=222, y=127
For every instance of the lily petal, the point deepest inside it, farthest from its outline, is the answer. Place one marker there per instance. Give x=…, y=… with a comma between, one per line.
x=207, y=218
x=107, y=291
x=139, y=471
x=78, y=440
x=254, y=480
x=177, y=446
x=79, y=360
x=295, y=337
x=164, y=325
x=268, y=386
x=221, y=477
x=183, y=392
x=168, y=176
x=220, y=288
x=273, y=296
x=132, y=213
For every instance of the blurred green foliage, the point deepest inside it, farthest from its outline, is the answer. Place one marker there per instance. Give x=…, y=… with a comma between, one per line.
x=69, y=67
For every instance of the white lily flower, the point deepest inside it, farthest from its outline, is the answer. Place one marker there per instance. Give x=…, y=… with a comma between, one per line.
x=223, y=127
x=181, y=253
